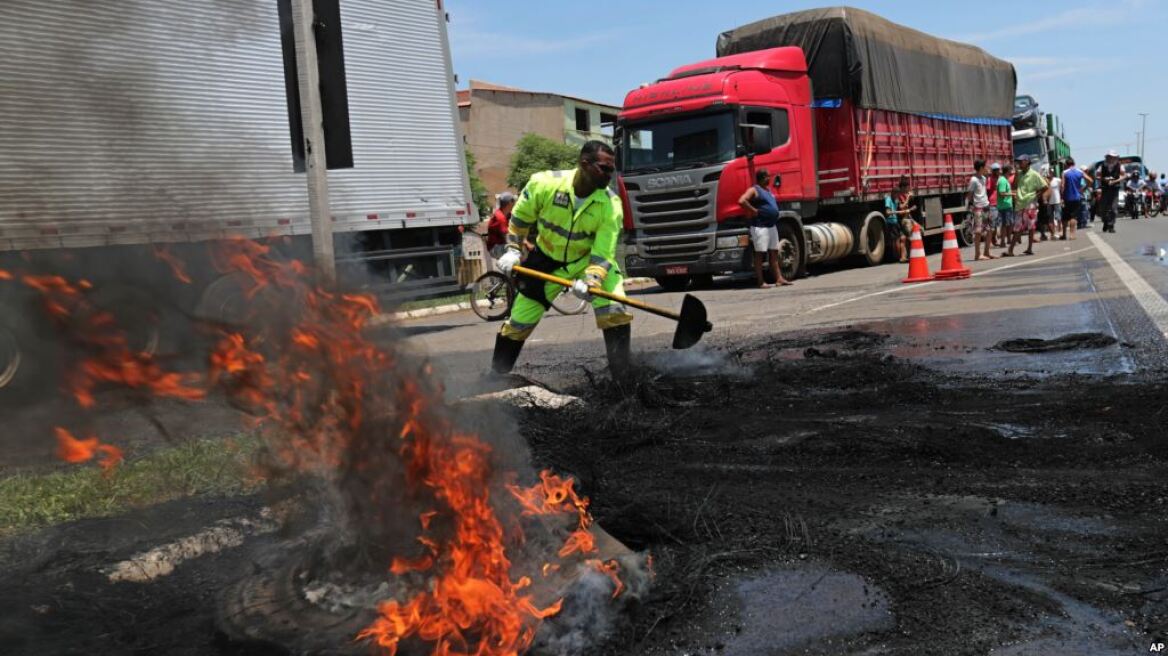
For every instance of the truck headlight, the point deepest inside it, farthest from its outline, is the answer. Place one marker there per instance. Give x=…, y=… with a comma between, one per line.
x=726, y=242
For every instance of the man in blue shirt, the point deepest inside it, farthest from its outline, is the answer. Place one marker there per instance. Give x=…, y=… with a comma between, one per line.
x=1073, y=180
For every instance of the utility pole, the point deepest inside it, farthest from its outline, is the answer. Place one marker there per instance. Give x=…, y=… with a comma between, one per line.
x=1143, y=132
x=315, y=162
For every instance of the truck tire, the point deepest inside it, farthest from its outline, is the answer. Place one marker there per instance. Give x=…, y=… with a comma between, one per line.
x=673, y=283
x=790, y=253
x=11, y=356
x=138, y=313
x=873, y=239
x=702, y=281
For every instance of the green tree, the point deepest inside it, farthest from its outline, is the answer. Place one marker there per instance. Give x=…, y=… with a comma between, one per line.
x=478, y=190
x=534, y=153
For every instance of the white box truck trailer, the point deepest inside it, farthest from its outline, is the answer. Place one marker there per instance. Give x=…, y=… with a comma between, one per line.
x=130, y=126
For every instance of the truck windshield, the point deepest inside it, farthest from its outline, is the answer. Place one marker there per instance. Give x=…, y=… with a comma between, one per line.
x=678, y=143
x=1032, y=147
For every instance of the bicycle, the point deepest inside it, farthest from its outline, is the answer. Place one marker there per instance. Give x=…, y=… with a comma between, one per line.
x=493, y=293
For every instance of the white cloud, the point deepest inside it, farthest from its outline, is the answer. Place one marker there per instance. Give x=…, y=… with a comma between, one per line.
x=1082, y=17
x=469, y=38
x=1034, y=69
x=492, y=44
x=1034, y=61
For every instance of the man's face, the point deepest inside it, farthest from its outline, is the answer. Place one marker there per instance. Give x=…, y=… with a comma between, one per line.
x=1023, y=165
x=599, y=169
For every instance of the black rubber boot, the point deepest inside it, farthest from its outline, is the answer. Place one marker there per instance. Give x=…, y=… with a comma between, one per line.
x=506, y=353
x=617, y=345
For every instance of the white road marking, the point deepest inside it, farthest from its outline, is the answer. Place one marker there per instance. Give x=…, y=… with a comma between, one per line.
x=162, y=561
x=1148, y=298
x=907, y=287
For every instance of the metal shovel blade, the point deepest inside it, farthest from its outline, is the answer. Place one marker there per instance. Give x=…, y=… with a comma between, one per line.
x=691, y=324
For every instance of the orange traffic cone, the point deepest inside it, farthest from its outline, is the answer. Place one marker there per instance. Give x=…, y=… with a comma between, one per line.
x=951, y=267
x=918, y=266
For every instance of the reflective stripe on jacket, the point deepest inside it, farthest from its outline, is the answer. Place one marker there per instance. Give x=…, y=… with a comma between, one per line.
x=591, y=231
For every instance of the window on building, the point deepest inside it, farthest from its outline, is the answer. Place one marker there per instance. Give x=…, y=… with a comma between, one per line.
x=607, y=123
x=334, y=94
x=583, y=122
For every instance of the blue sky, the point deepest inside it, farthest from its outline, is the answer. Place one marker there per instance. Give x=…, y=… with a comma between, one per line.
x=1096, y=67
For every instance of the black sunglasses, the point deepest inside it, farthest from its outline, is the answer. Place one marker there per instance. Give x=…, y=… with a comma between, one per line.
x=607, y=168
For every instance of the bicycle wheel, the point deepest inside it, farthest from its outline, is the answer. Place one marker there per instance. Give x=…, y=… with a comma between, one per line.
x=491, y=296
x=567, y=303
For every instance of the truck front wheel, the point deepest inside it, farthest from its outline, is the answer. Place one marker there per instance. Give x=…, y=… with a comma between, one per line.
x=673, y=283
x=790, y=255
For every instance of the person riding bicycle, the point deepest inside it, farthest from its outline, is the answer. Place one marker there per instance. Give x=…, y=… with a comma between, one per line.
x=497, y=226
x=579, y=221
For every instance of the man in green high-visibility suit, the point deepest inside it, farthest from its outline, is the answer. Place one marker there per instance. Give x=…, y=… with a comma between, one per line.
x=578, y=221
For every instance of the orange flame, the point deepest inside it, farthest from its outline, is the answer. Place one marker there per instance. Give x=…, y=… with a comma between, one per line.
x=176, y=265
x=71, y=449
x=313, y=385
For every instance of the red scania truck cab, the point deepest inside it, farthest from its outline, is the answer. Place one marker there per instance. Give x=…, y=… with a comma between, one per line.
x=839, y=132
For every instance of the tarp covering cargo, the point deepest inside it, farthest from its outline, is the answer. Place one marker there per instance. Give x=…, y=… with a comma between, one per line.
x=881, y=65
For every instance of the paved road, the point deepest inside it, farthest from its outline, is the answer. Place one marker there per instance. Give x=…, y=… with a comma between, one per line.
x=1065, y=287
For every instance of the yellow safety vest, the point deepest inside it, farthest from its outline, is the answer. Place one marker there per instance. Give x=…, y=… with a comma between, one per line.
x=591, y=231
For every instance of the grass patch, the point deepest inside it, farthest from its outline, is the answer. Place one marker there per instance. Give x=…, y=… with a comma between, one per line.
x=199, y=467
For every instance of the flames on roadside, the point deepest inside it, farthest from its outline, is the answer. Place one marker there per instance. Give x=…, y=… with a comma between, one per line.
x=339, y=407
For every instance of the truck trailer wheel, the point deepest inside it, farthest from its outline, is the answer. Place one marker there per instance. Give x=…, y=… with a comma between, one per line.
x=673, y=283
x=873, y=237
x=11, y=356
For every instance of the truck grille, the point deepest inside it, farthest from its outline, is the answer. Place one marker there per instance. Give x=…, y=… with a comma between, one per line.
x=677, y=225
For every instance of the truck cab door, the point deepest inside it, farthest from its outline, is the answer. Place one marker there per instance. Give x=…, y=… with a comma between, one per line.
x=783, y=159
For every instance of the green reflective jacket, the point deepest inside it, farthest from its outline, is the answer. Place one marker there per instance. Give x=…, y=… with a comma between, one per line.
x=591, y=231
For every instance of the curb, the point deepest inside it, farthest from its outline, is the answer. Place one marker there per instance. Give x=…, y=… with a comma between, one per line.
x=390, y=317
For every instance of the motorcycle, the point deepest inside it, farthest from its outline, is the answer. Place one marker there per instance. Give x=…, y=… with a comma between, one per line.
x=1133, y=203
x=1154, y=202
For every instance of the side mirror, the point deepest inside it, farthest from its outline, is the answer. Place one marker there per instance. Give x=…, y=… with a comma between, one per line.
x=618, y=137
x=757, y=139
